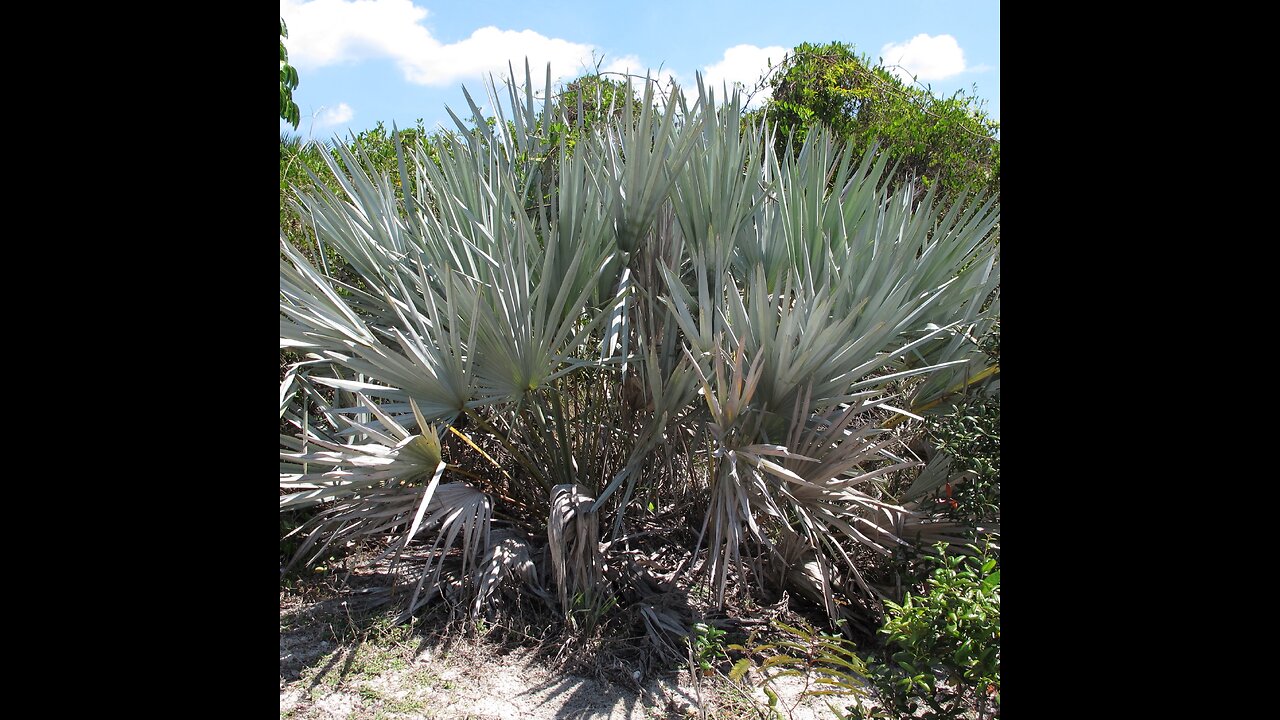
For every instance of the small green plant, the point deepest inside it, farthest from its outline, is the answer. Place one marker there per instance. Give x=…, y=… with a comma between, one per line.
x=708, y=646
x=369, y=694
x=942, y=648
x=586, y=612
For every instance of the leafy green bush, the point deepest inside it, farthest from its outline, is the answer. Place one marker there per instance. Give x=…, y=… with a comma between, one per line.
x=942, y=647
x=970, y=434
x=948, y=142
x=587, y=101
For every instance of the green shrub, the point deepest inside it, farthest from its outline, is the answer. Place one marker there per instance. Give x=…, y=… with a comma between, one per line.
x=944, y=141
x=942, y=646
x=970, y=434
x=588, y=101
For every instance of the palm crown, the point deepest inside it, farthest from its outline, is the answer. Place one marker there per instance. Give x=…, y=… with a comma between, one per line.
x=668, y=314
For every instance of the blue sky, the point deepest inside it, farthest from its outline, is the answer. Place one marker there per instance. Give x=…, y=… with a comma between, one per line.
x=365, y=61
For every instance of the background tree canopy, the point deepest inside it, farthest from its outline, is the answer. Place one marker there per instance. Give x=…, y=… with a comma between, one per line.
x=949, y=141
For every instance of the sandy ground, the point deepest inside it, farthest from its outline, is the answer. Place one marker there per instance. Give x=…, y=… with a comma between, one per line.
x=390, y=672
x=479, y=683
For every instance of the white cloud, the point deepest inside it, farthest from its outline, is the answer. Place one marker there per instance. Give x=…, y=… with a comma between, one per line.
x=742, y=64
x=625, y=64
x=335, y=116
x=928, y=58
x=489, y=50
x=329, y=32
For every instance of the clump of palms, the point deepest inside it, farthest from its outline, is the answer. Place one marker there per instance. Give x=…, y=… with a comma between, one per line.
x=668, y=316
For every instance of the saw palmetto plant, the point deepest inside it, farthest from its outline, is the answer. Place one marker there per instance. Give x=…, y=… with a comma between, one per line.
x=668, y=330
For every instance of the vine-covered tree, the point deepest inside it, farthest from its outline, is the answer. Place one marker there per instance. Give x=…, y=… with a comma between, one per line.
x=940, y=140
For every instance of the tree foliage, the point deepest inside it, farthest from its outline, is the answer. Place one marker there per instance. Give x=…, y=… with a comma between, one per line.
x=592, y=98
x=288, y=81
x=945, y=141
